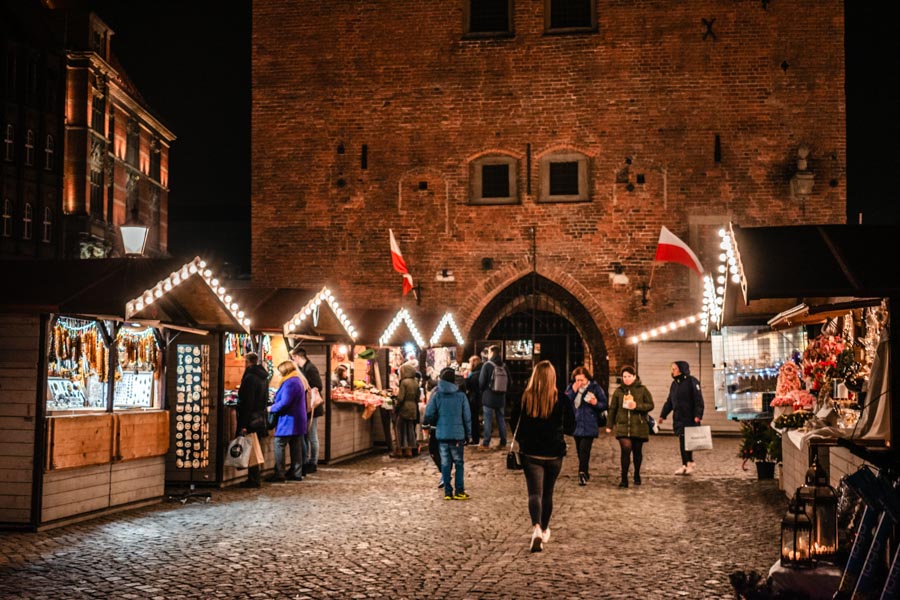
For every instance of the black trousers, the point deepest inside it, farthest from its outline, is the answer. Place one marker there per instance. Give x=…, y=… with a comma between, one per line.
x=540, y=478
x=686, y=455
x=583, y=447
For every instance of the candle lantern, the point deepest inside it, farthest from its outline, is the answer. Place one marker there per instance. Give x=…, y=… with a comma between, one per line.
x=796, y=531
x=820, y=501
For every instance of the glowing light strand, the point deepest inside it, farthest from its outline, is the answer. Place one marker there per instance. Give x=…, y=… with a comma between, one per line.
x=447, y=321
x=310, y=307
x=402, y=315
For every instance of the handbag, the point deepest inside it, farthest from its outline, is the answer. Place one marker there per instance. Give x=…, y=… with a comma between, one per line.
x=602, y=418
x=514, y=457
x=698, y=438
x=238, y=455
x=316, y=399
x=651, y=423
x=271, y=421
x=257, y=421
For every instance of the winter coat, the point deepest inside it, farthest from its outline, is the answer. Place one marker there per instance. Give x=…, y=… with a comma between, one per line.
x=311, y=373
x=544, y=437
x=290, y=406
x=685, y=400
x=253, y=397
x=630, y=423
x=473, y=390
x=586, y=414
x=448, y=411
x=407, y=404
x=489, y=398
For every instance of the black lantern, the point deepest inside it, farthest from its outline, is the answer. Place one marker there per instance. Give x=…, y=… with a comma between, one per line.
x=796, y=531
x=820, y=501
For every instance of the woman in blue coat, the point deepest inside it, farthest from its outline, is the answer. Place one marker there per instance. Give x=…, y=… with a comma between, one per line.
x=290, y=406
x=589, y=403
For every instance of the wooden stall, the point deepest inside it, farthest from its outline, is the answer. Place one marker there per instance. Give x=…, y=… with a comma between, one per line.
x=83, y=408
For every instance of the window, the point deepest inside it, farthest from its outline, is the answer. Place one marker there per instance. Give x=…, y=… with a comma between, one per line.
x=10, y=73
x=485, y=18
x=132, y=143
x=7, y=218
x=98, y=111
x=47, y=229
x=27, y=222
x=96, y=207
x=564, y=178
x=48, y=153
x=493, y=180
x=9, y=142
x=155, y=160
x=29, y=147
x=568, y=16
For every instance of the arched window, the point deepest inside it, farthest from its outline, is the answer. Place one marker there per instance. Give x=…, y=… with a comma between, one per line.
x=27, y=222
x=9, y=142
x=29, y=147
x=47, y=229
x=7, y=218
x=48, y=153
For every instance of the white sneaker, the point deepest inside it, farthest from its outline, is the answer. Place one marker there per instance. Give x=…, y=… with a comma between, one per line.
x=682, y=470
x=545, y=536
x=537, y=544
x=689, y=468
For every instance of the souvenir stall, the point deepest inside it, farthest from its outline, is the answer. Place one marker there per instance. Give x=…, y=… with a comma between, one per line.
x=837, y=414
x=84, y=403
x=445, y=345
x=194, y=388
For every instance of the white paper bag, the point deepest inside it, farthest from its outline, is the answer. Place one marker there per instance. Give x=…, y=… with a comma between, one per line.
x=238, y=453
x=698, y=438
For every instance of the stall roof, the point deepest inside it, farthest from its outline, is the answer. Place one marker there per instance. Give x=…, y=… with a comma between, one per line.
x=386, y=327
x=320, y=316
x=271, y=308
x=818, y=261
x=443, y=328
x=806, y=314
x=102, y=288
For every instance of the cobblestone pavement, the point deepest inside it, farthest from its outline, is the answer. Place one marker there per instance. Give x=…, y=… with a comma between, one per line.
x=380, y=528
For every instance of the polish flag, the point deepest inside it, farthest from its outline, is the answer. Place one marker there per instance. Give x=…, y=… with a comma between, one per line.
x=672, y=249
x=400, y=264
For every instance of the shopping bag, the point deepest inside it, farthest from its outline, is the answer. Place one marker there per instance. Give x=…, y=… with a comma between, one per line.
x=256, y=454
x=238, y=455
x=698, y=438
x=652, y=424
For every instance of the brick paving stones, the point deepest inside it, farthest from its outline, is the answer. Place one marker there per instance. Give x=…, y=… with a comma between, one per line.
x=379, y=528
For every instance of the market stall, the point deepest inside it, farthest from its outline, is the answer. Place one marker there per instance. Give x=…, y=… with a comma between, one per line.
x=445, y=345
x=84, y=405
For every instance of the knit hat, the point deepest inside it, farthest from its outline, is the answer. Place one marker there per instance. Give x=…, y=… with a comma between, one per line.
x=448, y=374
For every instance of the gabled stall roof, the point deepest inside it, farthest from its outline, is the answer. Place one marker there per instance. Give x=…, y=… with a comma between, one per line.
x=270, y=308
x=320, y=316
x=384, y=327
x=192, y=294
x=446, y=332
x=818, y=261
x=101, y=288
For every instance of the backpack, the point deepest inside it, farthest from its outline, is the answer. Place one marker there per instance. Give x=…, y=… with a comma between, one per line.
x=499, y=379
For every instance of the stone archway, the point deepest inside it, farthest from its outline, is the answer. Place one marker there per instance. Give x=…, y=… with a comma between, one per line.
x=534, y=293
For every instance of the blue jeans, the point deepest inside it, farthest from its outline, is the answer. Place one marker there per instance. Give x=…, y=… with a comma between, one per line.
x=311, y=443
x=488, y=425
x=452, y=451
x=295, y=444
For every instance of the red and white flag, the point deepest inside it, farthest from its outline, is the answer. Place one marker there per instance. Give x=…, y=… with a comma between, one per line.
x=400, y=264
x=672, y=249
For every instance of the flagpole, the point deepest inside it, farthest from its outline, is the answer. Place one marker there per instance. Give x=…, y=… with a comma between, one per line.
x=652, y=270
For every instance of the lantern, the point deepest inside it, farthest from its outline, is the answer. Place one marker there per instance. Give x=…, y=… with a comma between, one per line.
x=820, y=501
x=796, y=531
x=134, y=234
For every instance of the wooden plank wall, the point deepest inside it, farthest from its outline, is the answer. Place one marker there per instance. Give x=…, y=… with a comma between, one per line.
x=350, y=433
x=654, y=368
x=80, y=440
x=19, y=363
x=142, y=434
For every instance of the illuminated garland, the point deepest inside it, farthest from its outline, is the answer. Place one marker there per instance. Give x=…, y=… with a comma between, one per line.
x=312, y=307
x=671, y=326
x=447, y=321
x=402, y=315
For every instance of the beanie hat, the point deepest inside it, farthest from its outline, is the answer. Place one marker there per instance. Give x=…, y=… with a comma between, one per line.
x=448, y=374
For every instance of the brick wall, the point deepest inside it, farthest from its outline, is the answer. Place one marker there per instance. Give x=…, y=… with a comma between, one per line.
x=647, y=88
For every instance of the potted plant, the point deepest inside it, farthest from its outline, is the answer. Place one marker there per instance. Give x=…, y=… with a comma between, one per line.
x=760, y=444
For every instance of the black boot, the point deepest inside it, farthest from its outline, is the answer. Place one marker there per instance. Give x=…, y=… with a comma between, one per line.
x=582, y=479
x=624, y=482
x=637, y=479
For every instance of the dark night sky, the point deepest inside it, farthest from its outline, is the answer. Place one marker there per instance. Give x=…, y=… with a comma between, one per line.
x=191, y=61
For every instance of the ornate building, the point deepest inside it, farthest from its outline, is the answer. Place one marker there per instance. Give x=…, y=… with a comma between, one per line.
x=105, y=152
x=534, y=150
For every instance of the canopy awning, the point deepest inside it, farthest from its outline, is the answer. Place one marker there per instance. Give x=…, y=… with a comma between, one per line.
x=111, y=289
x=822, y=261
x=805, y=314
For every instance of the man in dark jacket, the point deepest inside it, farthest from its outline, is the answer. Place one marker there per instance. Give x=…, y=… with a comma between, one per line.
x=685, y=402
x=493, y=403
x=253, y=396
x=311, y=439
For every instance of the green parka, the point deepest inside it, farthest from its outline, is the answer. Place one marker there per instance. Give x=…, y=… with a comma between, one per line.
x=630, y=423
x=407, y=404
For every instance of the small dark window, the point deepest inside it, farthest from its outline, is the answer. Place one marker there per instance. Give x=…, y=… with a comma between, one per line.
x=563, y=178
x=9, y=142
x=29, y=147
x=48, y=153
x=7, y=218
x=132, y=143
x=155, y=160
x=96, y=194
x=495, y=181
x=27, y=218
x=489, y=16
x=47, y=229
x=569, y=15
x=11, y=74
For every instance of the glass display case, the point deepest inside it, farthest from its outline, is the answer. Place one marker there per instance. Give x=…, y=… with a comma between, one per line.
x=138, y=375
x=77, y=366
x=192, y=406
x=746, y=362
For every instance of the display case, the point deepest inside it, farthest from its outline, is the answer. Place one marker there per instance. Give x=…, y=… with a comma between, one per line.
x=138, y=381
x=746, y=362
x=77, y=367
x=192, y=406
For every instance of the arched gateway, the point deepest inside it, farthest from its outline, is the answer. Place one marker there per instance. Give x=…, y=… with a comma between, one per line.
x=534, y=319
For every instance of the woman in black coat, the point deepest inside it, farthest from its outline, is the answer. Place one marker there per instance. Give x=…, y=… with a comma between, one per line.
x=685, y=402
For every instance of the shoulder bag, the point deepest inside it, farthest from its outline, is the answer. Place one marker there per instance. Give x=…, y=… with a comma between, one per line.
x=514, y=457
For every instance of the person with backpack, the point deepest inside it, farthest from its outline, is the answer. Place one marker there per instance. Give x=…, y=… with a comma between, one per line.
x=685, y=402
x=493, y=382
x=448, y=412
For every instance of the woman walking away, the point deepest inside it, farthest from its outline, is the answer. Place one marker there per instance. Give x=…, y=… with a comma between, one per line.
x=407, y=410
x=628, y=419
x=290, y=406
x=542, y=419
x=589, y=403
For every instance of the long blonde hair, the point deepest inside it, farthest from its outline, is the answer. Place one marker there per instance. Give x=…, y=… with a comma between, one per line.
x=540, y=394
